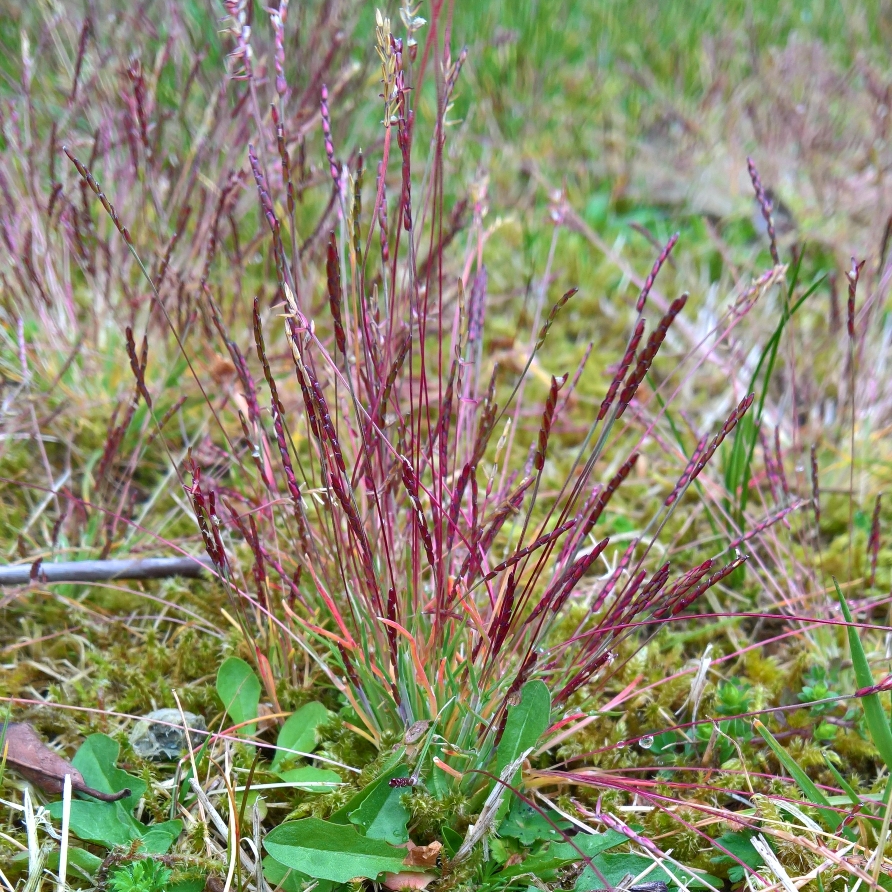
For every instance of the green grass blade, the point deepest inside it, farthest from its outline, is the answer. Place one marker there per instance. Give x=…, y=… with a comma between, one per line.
x=832, y=819
x=844, y=784
x=875, y=715
x=744, y=445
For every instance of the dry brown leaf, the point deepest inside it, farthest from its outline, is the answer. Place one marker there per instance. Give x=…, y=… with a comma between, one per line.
x=26, y=753
x=423, y=856
x=419, y=856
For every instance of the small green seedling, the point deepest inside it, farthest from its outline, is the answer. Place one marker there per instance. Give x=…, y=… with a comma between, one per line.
x=145, y=875
x=239, y=689
x=737, y=853
x=818, y=695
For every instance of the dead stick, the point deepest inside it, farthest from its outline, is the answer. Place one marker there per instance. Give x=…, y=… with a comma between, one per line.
x=102, y=571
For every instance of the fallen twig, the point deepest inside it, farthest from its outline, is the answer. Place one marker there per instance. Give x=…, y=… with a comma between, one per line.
x=101, y=571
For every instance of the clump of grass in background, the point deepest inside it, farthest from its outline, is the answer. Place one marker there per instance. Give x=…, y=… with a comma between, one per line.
x=161, y=131
x=397, y=523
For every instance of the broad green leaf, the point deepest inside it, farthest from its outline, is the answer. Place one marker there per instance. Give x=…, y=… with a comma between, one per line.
x=615, y=867
x=562, y=853
x=111, y=823
x=239, y=689
x=158, y=838
x=527, y=825
x=382, y=814
x=874, y=714
x=196, y=885
x=312, y=780
x=80, y=858
x=342, y=815
x=452, y=841
x=739, y=846
x=527, y=722
x=299, y=731
x=333, y=852
x=105, y=823
x=289, y=880
x=97, y=760
x=283, y=878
